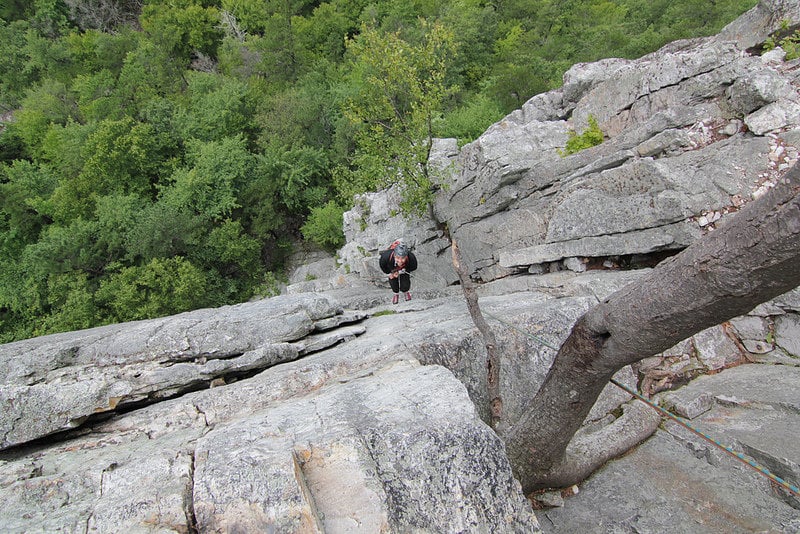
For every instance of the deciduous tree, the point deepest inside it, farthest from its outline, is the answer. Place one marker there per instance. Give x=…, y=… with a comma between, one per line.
x=400, y=92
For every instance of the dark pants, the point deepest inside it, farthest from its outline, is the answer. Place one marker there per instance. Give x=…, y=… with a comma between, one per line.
x=401, y=283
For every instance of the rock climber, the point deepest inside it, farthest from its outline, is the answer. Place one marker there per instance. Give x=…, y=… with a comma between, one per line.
x=397, y=261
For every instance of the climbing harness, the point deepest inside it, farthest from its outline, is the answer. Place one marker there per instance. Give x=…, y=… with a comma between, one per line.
x=739, y=456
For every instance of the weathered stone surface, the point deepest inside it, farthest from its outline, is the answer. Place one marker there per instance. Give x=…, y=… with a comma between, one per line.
x=387, y=452
x=756, y=405
x=294, y=414
x=775, y=116
x=765, y=86
x=715, y=349
x=676, y=149
x=676, y=480
x=286, y=402
x=753, y=27
x=644, y=241
x=661, y=486
x=129, y=481
x=55, y=383
x=787, y=334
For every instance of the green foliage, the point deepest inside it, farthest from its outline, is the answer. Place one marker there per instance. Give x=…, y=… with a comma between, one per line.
x=134, y=185
x=591, y=136
x=324, y=226
x=94, y=51
x=269, y=286
x=96, y=97
x=15, y=75
x=24, y=187
x=117, y=158
x=303, y=114
x=787, y=40
x=467, y=122
x=162, y=230
x=217, y=107
x=208, y=185
x=261, y=213
x=61, y=249
x=233, y=253
x=251, y=16
x=147, y=73
x=49, y=17
x=182, y=27
x=49, y=103
x=62, y=148
x=301, y=173
x=13, y=10
x=160, y=287
x=71, y=303
x=400, y=92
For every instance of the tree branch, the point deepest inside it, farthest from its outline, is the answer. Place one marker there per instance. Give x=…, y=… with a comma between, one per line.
x=492, y=353
x=751, y=259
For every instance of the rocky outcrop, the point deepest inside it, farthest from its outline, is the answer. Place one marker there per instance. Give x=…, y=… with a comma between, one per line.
x=677, y=481
x=372, y=421
x=328, y=410
x=356, y=434
x=693, y=131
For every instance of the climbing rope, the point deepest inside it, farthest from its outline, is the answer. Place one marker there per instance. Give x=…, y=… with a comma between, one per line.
x=739, y=456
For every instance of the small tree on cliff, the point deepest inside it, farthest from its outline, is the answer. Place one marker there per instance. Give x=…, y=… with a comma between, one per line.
x=401, y=91
x=751, y=259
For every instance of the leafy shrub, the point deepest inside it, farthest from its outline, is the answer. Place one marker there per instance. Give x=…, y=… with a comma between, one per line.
x=790, y=43
x=161, y=287
x=324, y=226
x=590, y=137
x=469, y=121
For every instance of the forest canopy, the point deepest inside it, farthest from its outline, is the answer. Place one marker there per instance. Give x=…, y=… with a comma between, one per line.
x=161, y=157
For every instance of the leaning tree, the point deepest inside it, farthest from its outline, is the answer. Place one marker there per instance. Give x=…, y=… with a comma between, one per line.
x=752, y=258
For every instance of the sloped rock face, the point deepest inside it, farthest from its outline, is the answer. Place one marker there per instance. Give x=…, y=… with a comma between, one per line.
x=693, y=131
x=354, y=435
x=366, y=460
x=65, y=379
x=372, y=425
x=328, y=410
x=678, y=481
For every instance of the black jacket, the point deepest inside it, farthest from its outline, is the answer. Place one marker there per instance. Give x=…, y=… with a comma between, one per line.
x=386, y=261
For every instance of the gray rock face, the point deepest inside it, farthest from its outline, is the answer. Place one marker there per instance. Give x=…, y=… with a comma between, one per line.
x=386, y=452
x=65, y=379
x=355, y=436
x=678, y=481
x=353, y=433
x=329, y=410
x=696, y=128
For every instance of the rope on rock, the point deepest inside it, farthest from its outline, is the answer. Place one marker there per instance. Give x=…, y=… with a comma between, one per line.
x=739, y=456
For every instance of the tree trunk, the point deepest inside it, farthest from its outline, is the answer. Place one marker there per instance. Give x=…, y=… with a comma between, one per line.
x=489, y=339
x=753, y=258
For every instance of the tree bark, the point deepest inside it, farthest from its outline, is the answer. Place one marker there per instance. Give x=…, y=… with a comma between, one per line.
x=489, y=339
x=751, y=259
